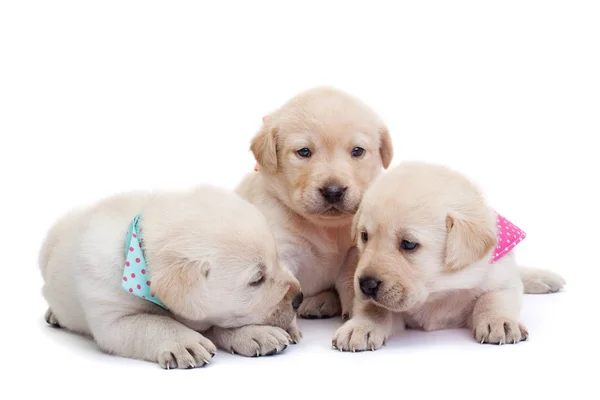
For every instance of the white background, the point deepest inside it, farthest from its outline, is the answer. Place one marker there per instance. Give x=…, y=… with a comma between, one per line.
x=109, y=96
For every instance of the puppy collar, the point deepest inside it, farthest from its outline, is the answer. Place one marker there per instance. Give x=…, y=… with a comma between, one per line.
x=136, y=279
x=509, y=235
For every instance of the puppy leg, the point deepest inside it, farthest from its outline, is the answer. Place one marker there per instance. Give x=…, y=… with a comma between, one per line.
x=368, y=329
x=345, y=284
x=153, y=338
x=322, y=305
x=540, y=281
x=496, y=317
x=251, y=340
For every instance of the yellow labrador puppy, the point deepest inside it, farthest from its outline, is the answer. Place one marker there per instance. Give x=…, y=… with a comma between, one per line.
x=316, y=155
x=144, y=273
x=434, y=254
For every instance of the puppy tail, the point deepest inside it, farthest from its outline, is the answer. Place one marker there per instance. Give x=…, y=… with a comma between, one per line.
x=540, y=281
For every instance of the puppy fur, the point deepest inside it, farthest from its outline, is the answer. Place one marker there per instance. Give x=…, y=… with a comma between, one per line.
x=313, y=235
x=212, y=261
x=447, y=280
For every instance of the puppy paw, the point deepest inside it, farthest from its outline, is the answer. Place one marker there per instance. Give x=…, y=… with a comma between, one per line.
x=51, y=318
x=255, y=340
x=498, y=330
x=359, y=335
x=186, y=353
x=294, y=332
x=540, y=281
x=323, y=305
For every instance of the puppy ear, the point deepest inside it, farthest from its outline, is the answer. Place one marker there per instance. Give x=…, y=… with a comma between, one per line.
x=386, y=148
x=264, y=148
x=177, y=282
x=469, y=239
x=354, y=227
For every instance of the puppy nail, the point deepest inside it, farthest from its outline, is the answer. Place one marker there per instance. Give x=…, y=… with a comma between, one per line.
x=206, y=362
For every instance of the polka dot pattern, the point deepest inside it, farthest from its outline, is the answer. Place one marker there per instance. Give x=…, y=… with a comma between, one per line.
x=509, y=235
x=135, y=271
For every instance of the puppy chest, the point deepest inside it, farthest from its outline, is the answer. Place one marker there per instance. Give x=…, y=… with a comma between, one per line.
x=315, y=270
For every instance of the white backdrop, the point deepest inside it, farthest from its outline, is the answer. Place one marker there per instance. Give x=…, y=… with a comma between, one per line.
x=102, y=97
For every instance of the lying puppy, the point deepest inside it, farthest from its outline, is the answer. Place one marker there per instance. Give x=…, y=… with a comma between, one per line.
x=316, y=155
x=143, y=273
x=432, y=251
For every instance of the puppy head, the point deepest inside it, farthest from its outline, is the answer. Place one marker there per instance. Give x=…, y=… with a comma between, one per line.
x=417, y=227
x=320, y=151
x=214, y=259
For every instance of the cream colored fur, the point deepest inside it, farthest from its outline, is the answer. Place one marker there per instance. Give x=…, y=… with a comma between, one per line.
x=314, y=238
x=447, y=281
x=212, y=261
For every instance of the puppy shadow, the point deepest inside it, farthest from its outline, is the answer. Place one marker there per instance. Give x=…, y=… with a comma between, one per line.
x=84, y=347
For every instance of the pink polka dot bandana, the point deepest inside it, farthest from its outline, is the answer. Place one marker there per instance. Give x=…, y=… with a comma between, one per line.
x=509, y=235
x=136, y=279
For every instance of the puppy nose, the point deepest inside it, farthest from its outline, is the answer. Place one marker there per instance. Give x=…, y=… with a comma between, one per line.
x=369, y=286
x=333, y=193
x=297, y=301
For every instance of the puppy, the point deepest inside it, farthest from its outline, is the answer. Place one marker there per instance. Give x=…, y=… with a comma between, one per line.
x=433, y=252
x=144, y=273
x=316, y=155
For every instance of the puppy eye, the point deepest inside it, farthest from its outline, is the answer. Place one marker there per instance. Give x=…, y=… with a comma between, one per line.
x=357, y=151
x=258, y=280
x=407, y=245
x=303, y=152
x=364, y=236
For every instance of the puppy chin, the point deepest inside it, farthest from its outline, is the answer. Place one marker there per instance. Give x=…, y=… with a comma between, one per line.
x=317, y=207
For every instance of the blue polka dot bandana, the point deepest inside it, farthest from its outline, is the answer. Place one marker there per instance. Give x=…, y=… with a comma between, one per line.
x=136, y=279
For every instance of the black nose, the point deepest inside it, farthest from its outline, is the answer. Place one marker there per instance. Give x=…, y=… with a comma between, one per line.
x=333, y=193
x=369, y=286
x=297, y=301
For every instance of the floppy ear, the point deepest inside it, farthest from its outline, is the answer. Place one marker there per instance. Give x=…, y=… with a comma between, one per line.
x=176, y=282
x=264, y=148
x=354, y=227
x=469, y=239
x=386, y=148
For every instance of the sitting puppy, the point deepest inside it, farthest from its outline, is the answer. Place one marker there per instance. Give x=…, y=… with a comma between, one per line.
x=144, y=273
x=432, y=251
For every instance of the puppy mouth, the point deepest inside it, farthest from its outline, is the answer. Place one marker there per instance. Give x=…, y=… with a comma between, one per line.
x=377, y=292
x=333, y=211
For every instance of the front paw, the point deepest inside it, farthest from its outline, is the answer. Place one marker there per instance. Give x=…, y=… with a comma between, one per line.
x=323, y=305
x=191, y=352
x=499, y=330
x=359, y=335
x=256, y=340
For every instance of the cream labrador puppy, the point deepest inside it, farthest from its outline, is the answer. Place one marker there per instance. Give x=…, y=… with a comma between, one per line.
x=144, y=273
x=435, y=255
x=316, y=155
